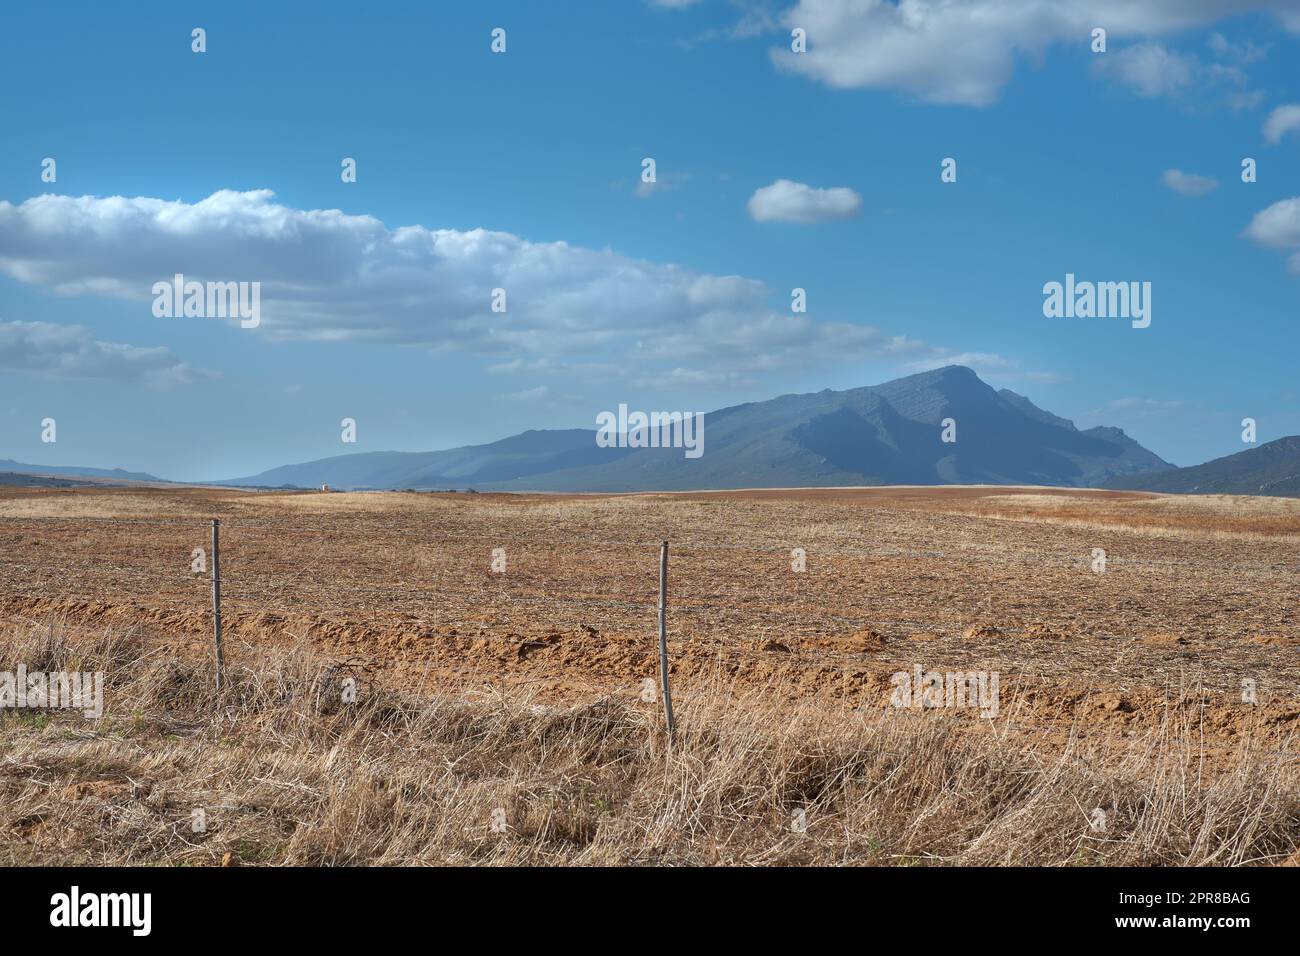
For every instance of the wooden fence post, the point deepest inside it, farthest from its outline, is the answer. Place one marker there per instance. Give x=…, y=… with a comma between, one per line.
x=663, y=638
x=216, y=596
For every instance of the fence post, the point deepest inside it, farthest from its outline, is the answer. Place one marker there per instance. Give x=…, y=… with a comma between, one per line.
x=216, y=596
x=663, y=637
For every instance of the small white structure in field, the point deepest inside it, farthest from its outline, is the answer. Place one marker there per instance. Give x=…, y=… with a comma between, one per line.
x=324, y=487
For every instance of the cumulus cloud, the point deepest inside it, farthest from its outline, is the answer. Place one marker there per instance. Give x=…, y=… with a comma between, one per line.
x=70, y=351
x=1188, y=184
x=788, y=201
x=1151, y=69
x=1278, y=227
x=331, y=276
x=965, y=51
x=1283, y=120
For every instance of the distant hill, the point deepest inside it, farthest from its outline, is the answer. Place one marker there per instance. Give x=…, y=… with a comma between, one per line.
x=18, y=468
x=520, y=456
x=1271, y=469
x=883, y=434
x=37, y=481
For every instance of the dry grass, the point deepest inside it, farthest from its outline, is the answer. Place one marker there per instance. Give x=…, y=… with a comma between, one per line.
x=28, y=503
x=289, y=774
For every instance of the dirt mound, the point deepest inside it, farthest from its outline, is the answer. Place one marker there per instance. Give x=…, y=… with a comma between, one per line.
x=1274, y=640
x=1113, y=703
x=867, y=639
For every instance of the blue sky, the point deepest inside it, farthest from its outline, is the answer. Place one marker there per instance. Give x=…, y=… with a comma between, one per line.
x=674, y=297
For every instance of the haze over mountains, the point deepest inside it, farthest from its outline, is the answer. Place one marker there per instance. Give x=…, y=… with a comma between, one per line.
x=1270, y=469
x=875, y=435
x=8, y=466
x=882, y=434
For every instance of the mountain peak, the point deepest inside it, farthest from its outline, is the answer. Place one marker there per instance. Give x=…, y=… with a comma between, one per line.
x=958, y=371
x=944, y=373
x=872, y=435
x=955, y=379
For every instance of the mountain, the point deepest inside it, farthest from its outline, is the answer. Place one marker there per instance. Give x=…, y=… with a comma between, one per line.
x=514, y=458
x=18, y=468
x=883, y=434
x=38, y=481
x=1271, y=469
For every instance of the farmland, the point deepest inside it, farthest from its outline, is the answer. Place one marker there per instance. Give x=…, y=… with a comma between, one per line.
x=1182, y=642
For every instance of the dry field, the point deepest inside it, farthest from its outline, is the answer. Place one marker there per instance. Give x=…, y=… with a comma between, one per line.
x=522, y=690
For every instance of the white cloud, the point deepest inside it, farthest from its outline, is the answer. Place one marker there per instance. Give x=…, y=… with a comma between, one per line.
x=1283, y=120
x=330, y=276
x=1188, y=184
x=1245, y=100
x=70, y=351
x=539, y=394
x=694, y=378
x=1149, y=69
x=1278, y=227
x=1244, y=52
x=980, y=361
x=784, y=338
x=788, y=201
x=988, y=365
x=662, y=184
x=327, y=275
x=965, y=51
x=758, y=17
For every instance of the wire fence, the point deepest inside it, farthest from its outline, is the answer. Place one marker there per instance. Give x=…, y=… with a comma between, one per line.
x=447, y=579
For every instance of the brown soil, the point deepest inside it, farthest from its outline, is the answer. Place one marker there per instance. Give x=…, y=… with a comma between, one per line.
x=1198, y=595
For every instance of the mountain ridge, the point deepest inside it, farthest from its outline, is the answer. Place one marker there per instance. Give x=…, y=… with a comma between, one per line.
x=8, y=466
x=1271, y=469
x=869, y=435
